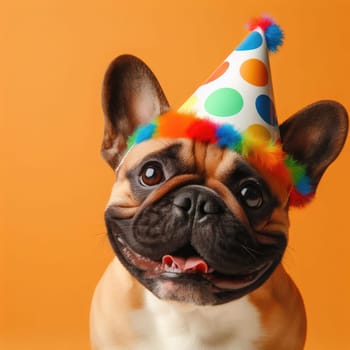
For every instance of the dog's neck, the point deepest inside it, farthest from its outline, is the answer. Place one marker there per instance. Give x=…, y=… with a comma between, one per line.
x=184, y=326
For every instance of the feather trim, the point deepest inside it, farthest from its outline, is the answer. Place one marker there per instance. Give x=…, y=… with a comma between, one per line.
x=264, y=154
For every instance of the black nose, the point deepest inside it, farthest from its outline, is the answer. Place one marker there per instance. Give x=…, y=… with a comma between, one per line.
x=198, y=202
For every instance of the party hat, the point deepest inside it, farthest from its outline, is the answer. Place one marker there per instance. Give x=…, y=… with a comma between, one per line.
x=234, y=109
x=239, y=92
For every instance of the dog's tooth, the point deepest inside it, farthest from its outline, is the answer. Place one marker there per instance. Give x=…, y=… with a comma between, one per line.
x=120, y=240
x=172, y=268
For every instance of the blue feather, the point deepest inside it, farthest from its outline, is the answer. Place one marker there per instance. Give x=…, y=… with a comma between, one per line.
x=227, y=136
x=304, y=185
x=145, y=132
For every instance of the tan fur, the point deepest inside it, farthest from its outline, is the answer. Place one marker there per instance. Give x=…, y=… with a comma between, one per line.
x=282, y=312
x=118, y=296
x=115, y=295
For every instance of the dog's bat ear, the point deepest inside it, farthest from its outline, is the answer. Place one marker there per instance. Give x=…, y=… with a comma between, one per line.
x=131, y=96
x=315, y=136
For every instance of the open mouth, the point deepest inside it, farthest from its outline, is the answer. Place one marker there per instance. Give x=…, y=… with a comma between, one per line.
x=187, y=264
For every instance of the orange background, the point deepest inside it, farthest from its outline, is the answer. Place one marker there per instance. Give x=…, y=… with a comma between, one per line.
x=54, y=185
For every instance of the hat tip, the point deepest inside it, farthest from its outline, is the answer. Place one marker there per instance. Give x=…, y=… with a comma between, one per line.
x=273, y=32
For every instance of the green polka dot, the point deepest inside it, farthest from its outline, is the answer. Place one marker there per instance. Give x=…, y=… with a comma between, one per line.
x=224, y=102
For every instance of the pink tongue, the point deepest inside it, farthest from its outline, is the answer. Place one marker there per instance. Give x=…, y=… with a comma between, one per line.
x=192, y=264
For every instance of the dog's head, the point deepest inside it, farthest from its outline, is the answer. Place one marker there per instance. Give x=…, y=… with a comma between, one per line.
x=192, y=221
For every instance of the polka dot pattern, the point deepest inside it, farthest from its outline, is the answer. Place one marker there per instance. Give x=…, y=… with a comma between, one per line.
x=239, y=92
x=224, y=102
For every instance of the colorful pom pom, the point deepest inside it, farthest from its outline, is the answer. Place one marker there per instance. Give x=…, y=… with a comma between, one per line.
x=304, y=185
x=203, y=130
x=145, y=132
x=297, y=171
x=274, y=37
x=299, y=200
x=273, y=32
x=172, y=125
x=228, y=136
x=267, y=157
x=262, y=22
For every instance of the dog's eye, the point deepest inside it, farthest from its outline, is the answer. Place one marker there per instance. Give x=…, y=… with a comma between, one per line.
x=251, y=195
x=151, y=174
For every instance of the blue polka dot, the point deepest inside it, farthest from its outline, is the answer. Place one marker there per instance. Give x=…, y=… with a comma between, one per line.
x=266, y=109
x=252, y=41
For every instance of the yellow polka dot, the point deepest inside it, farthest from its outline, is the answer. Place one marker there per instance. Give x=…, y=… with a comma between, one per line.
x=187, y=107
x=258, y=132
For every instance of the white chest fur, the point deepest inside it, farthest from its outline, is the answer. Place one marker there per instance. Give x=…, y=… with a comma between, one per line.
x=162, y=325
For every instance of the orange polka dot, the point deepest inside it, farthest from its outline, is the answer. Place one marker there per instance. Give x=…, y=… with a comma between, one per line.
x=218, y=72
x=254, y=72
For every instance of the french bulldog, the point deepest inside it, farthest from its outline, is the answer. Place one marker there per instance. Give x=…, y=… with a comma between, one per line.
x=199, y=233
